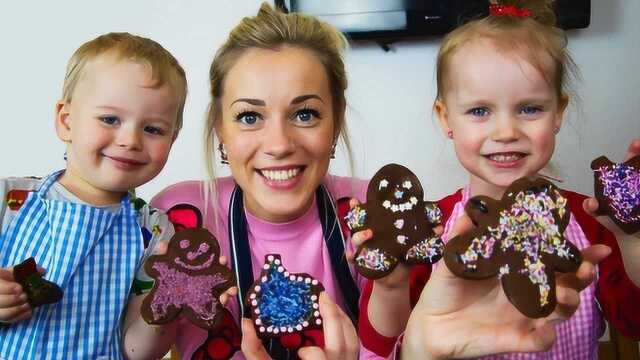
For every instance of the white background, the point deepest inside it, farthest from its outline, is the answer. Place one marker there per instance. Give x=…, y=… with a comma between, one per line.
x=389, y=97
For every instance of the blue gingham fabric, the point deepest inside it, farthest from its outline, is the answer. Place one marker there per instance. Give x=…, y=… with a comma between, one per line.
x=92, y=254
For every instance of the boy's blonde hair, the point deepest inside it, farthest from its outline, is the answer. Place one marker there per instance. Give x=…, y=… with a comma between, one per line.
x=165, y=68
x=271, y=29
x=535, y=39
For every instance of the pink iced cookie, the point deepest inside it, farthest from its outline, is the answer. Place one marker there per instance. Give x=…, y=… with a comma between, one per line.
x=188, y=280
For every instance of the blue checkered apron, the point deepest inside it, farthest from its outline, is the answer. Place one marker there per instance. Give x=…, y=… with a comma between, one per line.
x=92, y=254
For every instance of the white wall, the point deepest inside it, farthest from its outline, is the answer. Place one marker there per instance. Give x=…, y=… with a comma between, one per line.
x=390, y=93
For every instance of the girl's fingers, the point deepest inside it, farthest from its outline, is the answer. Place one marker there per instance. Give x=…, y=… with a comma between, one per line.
x=161, y=248
x=222, y=260
x=358, y=238
x=311, y=353
x=353, y=202
x=633, y=150
x=334, y=341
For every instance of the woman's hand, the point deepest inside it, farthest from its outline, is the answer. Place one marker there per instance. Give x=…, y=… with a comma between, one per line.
x=340, y=338
x=458, y=318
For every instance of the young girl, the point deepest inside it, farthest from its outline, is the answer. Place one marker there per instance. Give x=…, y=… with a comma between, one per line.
x=277, y=108
x=501, y=100
x=120, y=112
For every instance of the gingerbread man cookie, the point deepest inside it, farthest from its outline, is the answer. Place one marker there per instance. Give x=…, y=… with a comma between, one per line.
x=520, y=240
x=617, y=189
x=283, y=303
x=188, y=280
x=402, y=223
x=39, y=291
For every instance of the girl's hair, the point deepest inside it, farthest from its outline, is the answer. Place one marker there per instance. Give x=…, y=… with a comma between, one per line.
x=271, y=29
x=164, y=67
x=535, y=39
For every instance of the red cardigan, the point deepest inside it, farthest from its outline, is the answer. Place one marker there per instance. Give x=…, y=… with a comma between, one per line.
x=617, y=295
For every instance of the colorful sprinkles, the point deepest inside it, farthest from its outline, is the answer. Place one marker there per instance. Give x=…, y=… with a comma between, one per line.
x=528, y=227
x=621, y=184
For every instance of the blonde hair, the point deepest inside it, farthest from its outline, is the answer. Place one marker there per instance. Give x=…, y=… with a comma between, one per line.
x=164, y=67
x=536, y=39
x=272, y=29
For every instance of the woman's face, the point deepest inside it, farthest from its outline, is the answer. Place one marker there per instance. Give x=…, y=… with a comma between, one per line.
x=277, y=128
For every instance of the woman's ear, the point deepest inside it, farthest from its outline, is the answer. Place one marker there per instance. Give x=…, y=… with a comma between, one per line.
x=443, y=116
x=63, y=121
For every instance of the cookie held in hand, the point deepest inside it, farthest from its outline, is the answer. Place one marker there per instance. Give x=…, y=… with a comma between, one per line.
x=39, y=291
x=283, y=303
x=520, y=240
x=402, y=223
x=617, y=189
x=188, y=280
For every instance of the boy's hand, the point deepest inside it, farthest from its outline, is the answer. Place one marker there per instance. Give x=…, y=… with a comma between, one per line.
x=13, y=300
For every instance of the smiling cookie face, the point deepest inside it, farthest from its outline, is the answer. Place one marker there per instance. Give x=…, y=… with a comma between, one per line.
x=402, y=223
x=520, y=240
x=617, y=189
x=188, y=280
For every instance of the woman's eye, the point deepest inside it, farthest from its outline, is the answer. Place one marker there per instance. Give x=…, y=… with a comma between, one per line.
x=248, y=117
x=479, y=111
x=109, y=120
x=530, y=110
x=306, y=115
x=154, y=130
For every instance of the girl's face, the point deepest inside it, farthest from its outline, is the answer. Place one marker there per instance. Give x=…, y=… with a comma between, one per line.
x=503, y=115
x=277, y=128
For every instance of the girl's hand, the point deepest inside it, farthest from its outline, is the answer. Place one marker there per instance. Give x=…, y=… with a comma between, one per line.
x=340, y=339
x=591, y=205
x=399, y=277
x=458, y=318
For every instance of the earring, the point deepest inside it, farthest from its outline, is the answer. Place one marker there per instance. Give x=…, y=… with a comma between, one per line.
x=223, y=155
x=450, y=134
x=557, y=129
x=65, y=155
x=333, y=151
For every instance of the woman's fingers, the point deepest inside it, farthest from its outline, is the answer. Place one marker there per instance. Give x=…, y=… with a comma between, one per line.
x=251, y=345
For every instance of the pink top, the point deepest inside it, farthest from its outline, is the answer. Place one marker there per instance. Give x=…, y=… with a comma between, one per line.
x=300, y=242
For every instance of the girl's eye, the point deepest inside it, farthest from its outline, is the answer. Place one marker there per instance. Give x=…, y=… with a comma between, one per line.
x=154, y=130
x=109, y=120
x=306, y=115
x=480, y=111
x=530, y=110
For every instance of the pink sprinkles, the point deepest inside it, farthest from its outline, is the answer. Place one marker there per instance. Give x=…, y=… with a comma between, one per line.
x=622, y=186
x=179, y=289
x=527, y=227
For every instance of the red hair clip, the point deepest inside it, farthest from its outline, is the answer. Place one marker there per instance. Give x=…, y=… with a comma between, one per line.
x=509, y=10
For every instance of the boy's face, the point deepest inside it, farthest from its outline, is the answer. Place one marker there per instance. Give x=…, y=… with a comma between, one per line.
x=118, y=127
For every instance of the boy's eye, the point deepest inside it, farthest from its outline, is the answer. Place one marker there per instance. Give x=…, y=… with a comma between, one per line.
x=530, y=110
x=248, y=117
x=109, y=120
x=154, y=130
x=480, y=111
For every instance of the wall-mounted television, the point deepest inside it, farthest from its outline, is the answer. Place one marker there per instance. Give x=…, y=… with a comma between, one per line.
x=385, y=20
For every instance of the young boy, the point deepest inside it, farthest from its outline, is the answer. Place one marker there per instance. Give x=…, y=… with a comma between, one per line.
x=121, y=110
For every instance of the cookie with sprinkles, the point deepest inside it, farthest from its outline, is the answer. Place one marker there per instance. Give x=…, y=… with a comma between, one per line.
x=520, y=240
x=283, y=303
x=188, y=281
x=617, y=189
x=402, y=223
